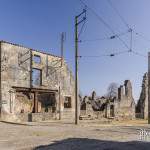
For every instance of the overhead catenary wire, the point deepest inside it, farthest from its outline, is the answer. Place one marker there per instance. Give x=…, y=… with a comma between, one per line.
x=84, y=21
x=139, y=54
x=104, y=22
x=127, y=25
x=131, y=39
x=83, y=25
x=129, y=48
x=117, y=12
x=114, y=36
x=107, y=55
x=113, y=54
x=142, y=36
x=130, y=29
x=123, y=20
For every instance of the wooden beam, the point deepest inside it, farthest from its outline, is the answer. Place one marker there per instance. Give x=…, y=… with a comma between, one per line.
x=40, y=90
x=36, y=102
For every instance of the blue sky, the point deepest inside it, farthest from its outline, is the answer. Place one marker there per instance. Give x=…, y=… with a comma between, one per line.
x=38, y=24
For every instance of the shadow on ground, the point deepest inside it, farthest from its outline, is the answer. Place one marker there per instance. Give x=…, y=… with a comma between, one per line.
x=93, y=144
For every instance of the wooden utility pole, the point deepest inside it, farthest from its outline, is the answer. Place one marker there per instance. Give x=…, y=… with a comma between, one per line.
x=62, y=47
x=62, y=58
x=149, y=88
x=76, y=71
x=59, y=102
x=76, y=64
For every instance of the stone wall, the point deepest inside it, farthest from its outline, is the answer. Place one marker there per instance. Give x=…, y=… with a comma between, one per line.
x=34, y=117
x=16, y=67
x=24, y=102
x=142, y=105
x=13, y=73
x=37, y=117
x=53, y=75
x=86, y=107
x=125, y=105
x=119, y=108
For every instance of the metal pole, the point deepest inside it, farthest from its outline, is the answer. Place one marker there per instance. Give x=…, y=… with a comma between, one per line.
x=59, y=104
x=76, y=71
x=149, y=88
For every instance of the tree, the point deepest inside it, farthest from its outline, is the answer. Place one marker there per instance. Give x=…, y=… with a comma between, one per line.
x=112, y=90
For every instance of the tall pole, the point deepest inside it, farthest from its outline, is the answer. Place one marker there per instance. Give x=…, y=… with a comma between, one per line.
x=76, y=64
x=62, y=47
x=62, y=57
x=76, y=72
x=149, y=88
x=59, y=103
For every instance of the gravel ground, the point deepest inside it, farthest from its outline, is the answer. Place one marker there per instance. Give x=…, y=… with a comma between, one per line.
x=67, y=136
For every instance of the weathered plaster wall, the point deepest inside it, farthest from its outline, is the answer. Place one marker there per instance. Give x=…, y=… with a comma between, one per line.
x=22, y=102
x=142, y=105
x=55, y=75
x=15, y=71
x=125, y=106
x=119, y=108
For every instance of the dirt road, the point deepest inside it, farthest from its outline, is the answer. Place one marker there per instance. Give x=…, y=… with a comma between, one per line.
x=67, y=136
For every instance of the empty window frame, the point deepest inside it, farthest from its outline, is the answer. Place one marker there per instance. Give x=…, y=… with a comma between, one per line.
x=67, y=102
x=36, y=77
x=37, y=59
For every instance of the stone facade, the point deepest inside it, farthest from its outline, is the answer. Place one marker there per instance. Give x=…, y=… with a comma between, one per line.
x=122, y=107
x=125, y=105
x=142, y=105
x=33, y=82
x=86, y=107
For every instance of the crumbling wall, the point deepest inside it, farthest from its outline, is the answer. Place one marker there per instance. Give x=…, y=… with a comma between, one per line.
x=125, y=106
x=16, y=64
x=24, y=102
x=14, y=72
x=142, y=105
x=93, y=107
x=119, y=108
x=54, y=75
x=86, y=107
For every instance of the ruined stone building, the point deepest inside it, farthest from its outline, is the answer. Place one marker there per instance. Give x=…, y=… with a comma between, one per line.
x=34, y=85
x=142, y=105
x=122, y=107
x=86, y=108
x=125, y=105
